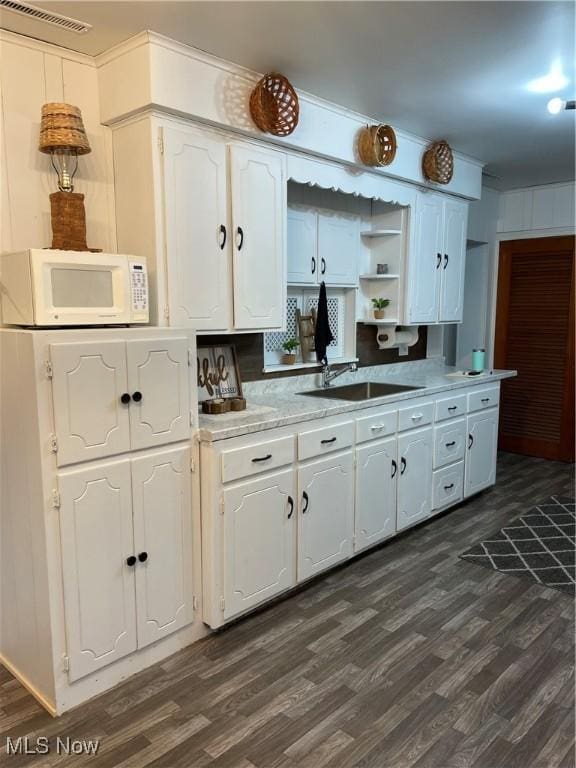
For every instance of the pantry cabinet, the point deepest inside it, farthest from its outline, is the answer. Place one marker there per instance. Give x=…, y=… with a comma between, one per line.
x=259, y=511
x=114, y=396
x=209, y=212
x=326, y=519
x=415, y=450
x=481, y=451
x=435, y=278
x=375, y=505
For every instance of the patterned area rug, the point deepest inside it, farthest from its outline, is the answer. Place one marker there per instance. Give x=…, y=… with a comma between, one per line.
x=539, y=545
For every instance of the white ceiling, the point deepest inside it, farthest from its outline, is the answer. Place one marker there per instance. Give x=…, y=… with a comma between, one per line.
x=454, y=70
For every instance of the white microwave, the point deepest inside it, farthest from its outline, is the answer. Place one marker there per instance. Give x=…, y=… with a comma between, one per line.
x=43, y=287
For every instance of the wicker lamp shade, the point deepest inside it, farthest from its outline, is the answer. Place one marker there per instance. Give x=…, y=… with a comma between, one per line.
x=377, y=145
x=438, y=163
x=274, y=105
x=62, y=129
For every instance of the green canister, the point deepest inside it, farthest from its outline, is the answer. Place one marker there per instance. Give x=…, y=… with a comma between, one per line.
x=478, y=356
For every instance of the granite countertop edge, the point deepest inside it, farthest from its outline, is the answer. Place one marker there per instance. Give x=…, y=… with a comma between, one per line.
x=287, y=408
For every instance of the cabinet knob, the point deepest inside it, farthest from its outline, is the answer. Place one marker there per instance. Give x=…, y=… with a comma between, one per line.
x=223, y=233
x=131, y=561
x=143, y=556
x=125, y=398
x=137, y=396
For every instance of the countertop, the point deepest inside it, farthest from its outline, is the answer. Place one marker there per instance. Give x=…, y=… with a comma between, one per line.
x=276, y=403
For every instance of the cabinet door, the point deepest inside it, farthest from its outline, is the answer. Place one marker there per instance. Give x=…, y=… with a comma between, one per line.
x=326, y=519
x=376, y=472
x=480, y=469
x=158, y=383
x=425, y=263
x=338, y=248
x=197, y=236
x=453, y=261
x=88, y=381
x=259, y=541
x=161, y=487
x=96, y=533
x=415, y=477
x=303, y=266
x=259, y=238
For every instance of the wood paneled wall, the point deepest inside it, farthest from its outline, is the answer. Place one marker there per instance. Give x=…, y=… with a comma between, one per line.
x=31, y=74
x=249, y=348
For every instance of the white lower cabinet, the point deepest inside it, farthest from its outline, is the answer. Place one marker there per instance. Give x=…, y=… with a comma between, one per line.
x=126, y=534
x=262, y=510
x=415, y=472
x=375, y=509
x=326, y=515
x=481, y=451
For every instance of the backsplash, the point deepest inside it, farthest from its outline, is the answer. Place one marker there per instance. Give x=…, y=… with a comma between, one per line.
x=249, y=349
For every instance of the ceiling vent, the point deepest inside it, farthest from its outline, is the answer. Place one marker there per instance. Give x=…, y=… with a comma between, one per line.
x=32, y=12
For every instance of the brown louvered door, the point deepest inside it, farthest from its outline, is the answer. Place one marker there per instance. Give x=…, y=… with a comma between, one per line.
x=535, y=336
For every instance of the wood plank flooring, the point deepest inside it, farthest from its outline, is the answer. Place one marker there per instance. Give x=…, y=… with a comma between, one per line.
x=405, y=657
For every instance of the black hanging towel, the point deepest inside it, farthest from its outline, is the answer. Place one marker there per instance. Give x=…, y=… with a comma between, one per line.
x=322, y=333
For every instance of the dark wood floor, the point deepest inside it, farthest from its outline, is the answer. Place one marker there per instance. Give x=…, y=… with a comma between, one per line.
x=405, y=657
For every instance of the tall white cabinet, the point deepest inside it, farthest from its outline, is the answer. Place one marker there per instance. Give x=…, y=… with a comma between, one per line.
x=209, y=212
x=100, y=490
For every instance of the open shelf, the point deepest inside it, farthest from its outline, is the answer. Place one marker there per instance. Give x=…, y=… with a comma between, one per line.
x=386, y=321
x=387, y=276
x=380, y=232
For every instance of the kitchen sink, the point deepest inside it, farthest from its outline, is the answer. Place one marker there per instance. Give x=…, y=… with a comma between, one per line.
x=365, y=390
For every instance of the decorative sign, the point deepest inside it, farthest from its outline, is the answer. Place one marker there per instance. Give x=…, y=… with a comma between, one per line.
x=218, y=373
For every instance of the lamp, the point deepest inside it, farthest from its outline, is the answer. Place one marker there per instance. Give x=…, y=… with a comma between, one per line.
x=63, y=137
x=557, y=104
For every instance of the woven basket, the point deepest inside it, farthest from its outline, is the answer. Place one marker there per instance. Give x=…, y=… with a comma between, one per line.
x=274, y=105
x=438, y=163
x=61, y=127
x=377, y=145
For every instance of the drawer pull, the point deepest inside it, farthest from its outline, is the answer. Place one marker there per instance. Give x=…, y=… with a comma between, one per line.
x=417, y=416
x=451, y=444
x=328, y=441
x=307, y=500
x=394, y=468
x=402, y=465
x=485, y=399
x=452, y=407
x=377, y=427
x=291, y=503
x=262, y=458
x=449, y=487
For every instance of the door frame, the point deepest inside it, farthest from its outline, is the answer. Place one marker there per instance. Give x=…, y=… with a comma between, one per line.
x=566, y=244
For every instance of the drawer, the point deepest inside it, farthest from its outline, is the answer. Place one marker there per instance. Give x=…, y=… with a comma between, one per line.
x=450, y=407
x=317, y=442
x=483, y=398
x=449, y=443
x=447, y=486
x=260, y=457
x=380, y=424
x=417, y=414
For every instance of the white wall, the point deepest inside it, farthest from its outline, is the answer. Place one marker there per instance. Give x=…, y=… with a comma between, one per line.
x=32, y=73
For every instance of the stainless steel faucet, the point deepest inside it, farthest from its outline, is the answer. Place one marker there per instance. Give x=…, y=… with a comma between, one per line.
x=328, y=375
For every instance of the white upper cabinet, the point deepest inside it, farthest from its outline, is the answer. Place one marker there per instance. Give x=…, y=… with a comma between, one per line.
x=89, y=385
x=114, y=396
x=338, y=248
x=159, y=387
x=414, y=477
x=259, y=544
x=435, y=285
x=258, y=237
x=302, y=247
x=197, y=230
x=163, y=543
x=97, y=540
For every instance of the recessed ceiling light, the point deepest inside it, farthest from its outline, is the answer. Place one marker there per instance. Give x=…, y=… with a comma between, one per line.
x=555, y=80
x=557, y=105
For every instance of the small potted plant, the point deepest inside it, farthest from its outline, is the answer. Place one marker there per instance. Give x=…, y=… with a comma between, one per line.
x=290, y=346
x=379, y=307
